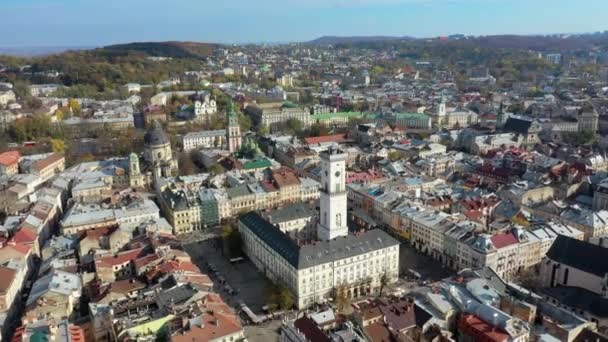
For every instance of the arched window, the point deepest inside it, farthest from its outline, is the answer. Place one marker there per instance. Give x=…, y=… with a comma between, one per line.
x=339, y=219
x=160, y=155
x=325, y=218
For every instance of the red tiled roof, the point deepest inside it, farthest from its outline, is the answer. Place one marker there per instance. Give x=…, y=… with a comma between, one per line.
x=25, y=235
x=378, y=332
x=9, y=158
x=118, y=259
x=337, y=138
x=215, y=325
x=127, y=285
x=366, y=176
x=44, y=163
x=310, y=329
x=176, y=265
x=145, y=260
x=503, y=240
x=474, y=327
x=21, y=248
x=285, y=177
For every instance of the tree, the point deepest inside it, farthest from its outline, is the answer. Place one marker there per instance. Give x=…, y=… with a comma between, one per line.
x=579, y=138
x=294, y=125
x=281, y=297
x=74, y=106
x=244, y=122
x=232, y=241
x=216, y=169
x=186, y=165
x=58, y=145
x=341, y=298
x=263, y=130
x=384, y=279
x=395, y=155
x=22, y=89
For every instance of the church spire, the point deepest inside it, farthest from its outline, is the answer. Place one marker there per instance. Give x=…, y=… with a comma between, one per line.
x=233, y=131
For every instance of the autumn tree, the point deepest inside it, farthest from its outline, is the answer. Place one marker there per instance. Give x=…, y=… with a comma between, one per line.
x=58, y=145
x=74, y=106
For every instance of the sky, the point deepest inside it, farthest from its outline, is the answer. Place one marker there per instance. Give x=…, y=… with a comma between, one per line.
x=27, y=23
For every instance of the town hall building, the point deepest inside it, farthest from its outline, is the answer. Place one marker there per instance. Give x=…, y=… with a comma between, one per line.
x=358, y=264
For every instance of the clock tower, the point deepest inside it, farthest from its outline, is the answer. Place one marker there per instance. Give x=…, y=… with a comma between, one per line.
x=332, y=221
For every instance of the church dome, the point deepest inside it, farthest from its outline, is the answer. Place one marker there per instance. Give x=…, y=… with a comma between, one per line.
x=156, y=136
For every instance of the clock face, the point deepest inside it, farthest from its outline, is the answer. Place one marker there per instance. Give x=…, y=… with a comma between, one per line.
x=337, y=173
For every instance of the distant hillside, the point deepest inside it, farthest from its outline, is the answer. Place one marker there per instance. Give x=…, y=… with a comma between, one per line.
x=166, y=49
x=30, y=51
x=543, y=43
x=333, y=40
x=523, y=42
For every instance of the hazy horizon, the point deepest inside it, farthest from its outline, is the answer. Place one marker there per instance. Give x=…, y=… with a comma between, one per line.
x=91, y=23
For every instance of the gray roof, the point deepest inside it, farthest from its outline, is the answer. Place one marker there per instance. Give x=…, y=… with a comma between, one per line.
x=155, y=136
x=320, y=252
x=238, y=191
x=291, y=212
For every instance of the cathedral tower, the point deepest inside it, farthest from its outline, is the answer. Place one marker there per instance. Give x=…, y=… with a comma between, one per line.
x=233, y=131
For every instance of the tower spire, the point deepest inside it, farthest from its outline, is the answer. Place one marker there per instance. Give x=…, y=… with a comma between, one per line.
x=233, y=131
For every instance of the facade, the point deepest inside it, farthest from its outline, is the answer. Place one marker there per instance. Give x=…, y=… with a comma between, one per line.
x=355, y=264
x=205, y=139
x=9, y=163
x=413, y=121
x=272, y=117
x=575, y=275
x=588, y=121
x=44, y=166
x=205, y=109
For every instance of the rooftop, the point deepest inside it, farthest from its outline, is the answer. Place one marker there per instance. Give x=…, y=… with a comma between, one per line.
x=320, y=252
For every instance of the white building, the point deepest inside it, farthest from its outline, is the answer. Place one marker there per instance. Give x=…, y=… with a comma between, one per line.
x=7, y=97
x=356, y=263
x=205, y=108
x=206, y=139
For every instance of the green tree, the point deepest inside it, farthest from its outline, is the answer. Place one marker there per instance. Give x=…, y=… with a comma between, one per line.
x=294, y=125
x=232, y=241
x=244, y=122
x=21, y=89
x=395, y=155
x=216, y=169
x=281, y=297
x=263, y=130
x=384, y=280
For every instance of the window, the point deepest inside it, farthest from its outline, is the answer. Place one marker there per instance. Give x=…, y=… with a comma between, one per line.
x=339, y=219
